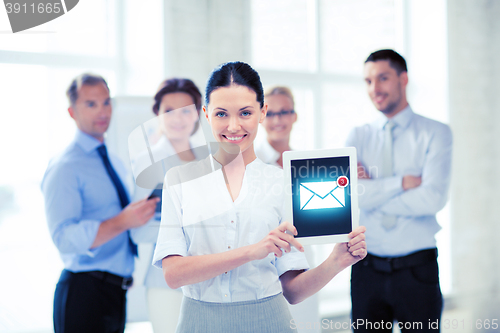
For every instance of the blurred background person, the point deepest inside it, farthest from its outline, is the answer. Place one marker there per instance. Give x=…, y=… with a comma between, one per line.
x=404, y=168
x=278, y=124
x=89, y=217
x=177, y=104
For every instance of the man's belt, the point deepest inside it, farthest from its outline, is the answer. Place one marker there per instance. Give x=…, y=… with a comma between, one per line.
x=391, y=264
x=123, y=282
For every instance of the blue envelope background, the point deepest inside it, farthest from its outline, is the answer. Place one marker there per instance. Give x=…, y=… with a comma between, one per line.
x=321, y=195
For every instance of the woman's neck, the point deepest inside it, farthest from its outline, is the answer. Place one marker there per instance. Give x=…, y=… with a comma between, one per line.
x=225, y=155
x=281, y=145
x=183, y=149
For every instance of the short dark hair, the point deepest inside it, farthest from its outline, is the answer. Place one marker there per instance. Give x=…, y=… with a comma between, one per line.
x=238, y=73
x=85, y=79
x=174, y=85
x=396, y=61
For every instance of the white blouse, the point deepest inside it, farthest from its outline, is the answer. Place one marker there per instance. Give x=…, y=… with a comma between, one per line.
x=207, y=221
x=166, y=157
x=267, y=153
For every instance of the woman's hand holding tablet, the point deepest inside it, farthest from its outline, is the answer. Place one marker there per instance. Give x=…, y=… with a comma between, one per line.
x=275, y=241
x=347, y=254
x=279, y=241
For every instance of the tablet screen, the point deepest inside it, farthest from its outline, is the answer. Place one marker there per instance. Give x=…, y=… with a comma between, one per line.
x=321, y=200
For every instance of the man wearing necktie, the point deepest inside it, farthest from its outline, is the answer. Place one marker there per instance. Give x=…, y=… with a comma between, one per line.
x=89, y=217
x=404, y=175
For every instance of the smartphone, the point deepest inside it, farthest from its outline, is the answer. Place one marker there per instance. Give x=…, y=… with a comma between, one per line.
x=156, y=194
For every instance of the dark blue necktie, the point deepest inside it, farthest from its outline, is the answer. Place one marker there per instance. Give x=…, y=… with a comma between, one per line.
x=120, y=190
x=114, y=177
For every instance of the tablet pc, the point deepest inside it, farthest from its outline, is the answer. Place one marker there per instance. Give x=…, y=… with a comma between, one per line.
x=322, y=202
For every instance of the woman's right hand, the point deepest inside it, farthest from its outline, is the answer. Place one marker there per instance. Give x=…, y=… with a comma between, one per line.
x=276, y=240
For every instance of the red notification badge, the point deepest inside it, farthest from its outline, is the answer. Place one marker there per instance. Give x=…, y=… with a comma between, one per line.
x=342, y=181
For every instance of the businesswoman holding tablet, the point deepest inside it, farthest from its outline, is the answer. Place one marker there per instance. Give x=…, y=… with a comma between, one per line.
x=224, y=241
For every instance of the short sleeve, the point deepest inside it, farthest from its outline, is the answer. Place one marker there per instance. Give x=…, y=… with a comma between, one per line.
x=293, y=261
x=171, y=237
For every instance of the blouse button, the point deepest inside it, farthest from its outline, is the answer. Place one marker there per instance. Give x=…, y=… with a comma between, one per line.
x=232, y=221
x=229, y=247
x=225, y=295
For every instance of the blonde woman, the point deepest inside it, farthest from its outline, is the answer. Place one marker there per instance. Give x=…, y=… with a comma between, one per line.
x=278, y=124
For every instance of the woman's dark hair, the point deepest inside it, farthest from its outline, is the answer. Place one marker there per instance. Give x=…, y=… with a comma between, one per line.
x=237, y=73
x=175, y=85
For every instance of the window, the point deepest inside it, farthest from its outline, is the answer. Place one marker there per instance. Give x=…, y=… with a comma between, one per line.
x=94, y=35
x=37, y=67
x=282, y=35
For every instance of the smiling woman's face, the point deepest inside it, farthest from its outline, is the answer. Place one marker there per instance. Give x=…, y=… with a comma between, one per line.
x=178, y=115
x=279, y=126
x=234, y=115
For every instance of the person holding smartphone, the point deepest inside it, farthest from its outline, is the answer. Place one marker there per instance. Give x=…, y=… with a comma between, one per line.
x=177, y=103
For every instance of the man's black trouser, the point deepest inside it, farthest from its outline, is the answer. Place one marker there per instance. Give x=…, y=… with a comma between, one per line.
x=86, y=303
x=405, y=289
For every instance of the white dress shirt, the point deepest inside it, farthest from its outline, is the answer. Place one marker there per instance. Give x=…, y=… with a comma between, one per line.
x=207, y=221
x=421, y=147
x=267, y=153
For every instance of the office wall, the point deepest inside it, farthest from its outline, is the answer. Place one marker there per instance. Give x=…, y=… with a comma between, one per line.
x=201, y=34
x=474, y=93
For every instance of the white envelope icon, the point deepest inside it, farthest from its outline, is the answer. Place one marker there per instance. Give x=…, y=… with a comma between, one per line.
x=320, y=195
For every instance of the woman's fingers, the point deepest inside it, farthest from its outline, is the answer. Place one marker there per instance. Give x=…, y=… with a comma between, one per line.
x=283, y=227
x=357, y=246
x=285, y=240
x=277, y=251
x=297, y=245
x=356, y=240
x=286, y=226
x=358, y=249
x=359, y=230
x=282, y=244
x=359, y=253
